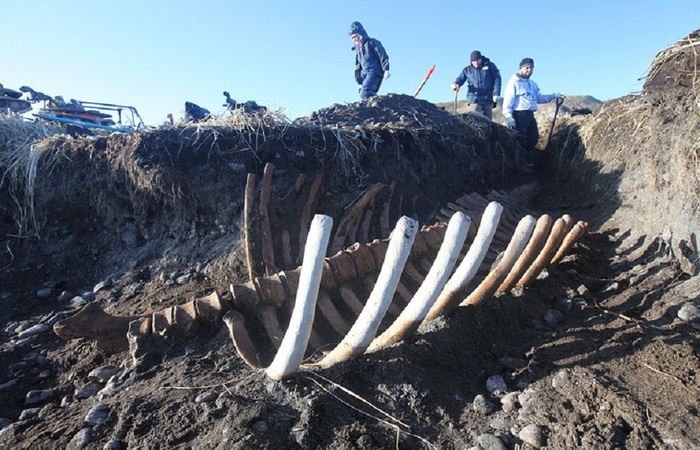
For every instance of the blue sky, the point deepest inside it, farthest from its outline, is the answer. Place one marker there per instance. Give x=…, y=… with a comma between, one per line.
x=155, y=54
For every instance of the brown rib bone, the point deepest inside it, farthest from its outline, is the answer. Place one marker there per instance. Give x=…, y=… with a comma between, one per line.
x=268, y=251
x=556, y=236
x=249, y=202
x=351, y=219
x=571, y=238
x=537, y=241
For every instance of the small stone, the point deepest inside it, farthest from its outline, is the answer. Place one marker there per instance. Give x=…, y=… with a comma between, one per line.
x=77, y=301
x=481, y=405
x=532, y=434
x=98, y=414
x=184, y=279
x=64, y=296
x=496, y=384
x=260, y=426
x=510, y=402
x=114, y=445
x=513, y=363
x=553, y=317
x=689, y=312
x=101, y=285
x=81, y=439
x=501, y=423
x=29, y=413
x=560, y=379
x=87, y=391
x=33, y=331
x=491, y=442
x=44, y=293
x=103, y=374
x=36, y=397
x=205, y=398
x=565, y=305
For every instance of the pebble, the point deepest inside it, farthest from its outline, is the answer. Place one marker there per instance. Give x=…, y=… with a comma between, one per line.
x=689, y=312
x=8, y=384
x=64, y=296
x=81, y=439
x=78, y=300
x=12, y=327
x=39, y=396
x=98, y=414
x=496, y=384
x=44, y=293
x=560, y=379
x=501, y=423
x=482, y=405
x=205, y=398
x=29, y=413
x=260, y=426
x=102, y=285
x=565, y=305
x=491, y=442
x=33, y=331
x=513, y=363
x=532, y=434
x=113, y=445
x=103, y=374
x=553, y=317
x=510, y=402
x=87, y=391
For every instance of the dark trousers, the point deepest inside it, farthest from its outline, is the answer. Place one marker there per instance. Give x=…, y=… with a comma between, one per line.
x=526, y=126
x=370, y=85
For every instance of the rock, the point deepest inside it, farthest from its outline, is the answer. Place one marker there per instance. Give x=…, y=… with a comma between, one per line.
x=496, y=384
x=560, y=379
x=36, y=397
x=98, y=414
x=501, y=423
x=103, y=374
x=205, y=398
x=44, y=293
x=533, y=434
x=33, y=331
x=8, y=384
x=87, y=391
x=689, y=312
x=482, y=406
x=510, y=402
x=102, y=285
x=64, y=296
x=260, y=426
x=78, y=301
x=29, y=413
x=491, y=442
x=81, y=440
x=553, y=317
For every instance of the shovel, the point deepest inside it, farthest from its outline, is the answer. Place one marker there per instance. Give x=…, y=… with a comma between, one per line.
x=456, y=92
x=558, y=102
x=425, y=80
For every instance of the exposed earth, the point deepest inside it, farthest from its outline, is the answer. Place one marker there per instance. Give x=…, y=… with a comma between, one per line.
x=601, y=351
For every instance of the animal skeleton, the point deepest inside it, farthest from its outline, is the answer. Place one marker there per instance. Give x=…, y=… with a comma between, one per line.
x=278, y=320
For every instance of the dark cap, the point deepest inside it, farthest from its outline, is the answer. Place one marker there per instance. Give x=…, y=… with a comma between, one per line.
x=476, y=54
x=357, y=28
x=527, y=62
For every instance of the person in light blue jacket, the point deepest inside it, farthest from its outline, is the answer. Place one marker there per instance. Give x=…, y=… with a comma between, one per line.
x=371, y=61
x=520, y=100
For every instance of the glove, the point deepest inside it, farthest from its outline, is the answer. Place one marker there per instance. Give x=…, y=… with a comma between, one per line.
x=455, y=87
x=510, y=122
x=495, y=100
x=386, y=74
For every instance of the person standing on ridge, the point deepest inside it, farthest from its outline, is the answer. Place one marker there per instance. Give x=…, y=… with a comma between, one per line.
x=483, y=82
x=520, y=100
x=371, y=61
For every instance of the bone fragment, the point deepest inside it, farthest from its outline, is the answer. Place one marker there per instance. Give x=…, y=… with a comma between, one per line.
x=449, y=298
x=494, y=279
x=414, y=313
x=93, y=323
x=291, y=350
x=268, y=250
x=248, y=224
x=365, y=327
x=350, y=222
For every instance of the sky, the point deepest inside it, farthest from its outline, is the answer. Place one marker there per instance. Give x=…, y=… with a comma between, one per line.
x=295, y=56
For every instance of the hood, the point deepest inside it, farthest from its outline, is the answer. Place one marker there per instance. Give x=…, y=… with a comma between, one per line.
x=357, y=28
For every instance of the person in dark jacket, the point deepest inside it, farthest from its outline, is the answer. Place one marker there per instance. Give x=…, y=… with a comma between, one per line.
x=483, y=82
x=371, y=61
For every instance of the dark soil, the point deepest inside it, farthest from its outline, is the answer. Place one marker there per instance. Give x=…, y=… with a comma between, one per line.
x=120, y=220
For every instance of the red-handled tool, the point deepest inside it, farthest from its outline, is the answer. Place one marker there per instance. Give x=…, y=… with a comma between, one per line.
x=430, y=72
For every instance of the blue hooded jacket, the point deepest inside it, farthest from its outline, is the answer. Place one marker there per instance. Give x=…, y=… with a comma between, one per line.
x=371, y=58
x=483, y=82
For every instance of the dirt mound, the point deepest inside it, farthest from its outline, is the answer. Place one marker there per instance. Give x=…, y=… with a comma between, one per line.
x=601, y=352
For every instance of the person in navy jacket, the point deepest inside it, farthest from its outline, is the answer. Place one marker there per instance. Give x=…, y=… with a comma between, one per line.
x=483, y=82
x=371, y=61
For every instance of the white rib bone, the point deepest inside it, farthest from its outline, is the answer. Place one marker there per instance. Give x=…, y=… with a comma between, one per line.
x=365, y=327
x=296, y=338
x=414, y=313
x=470, y=264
